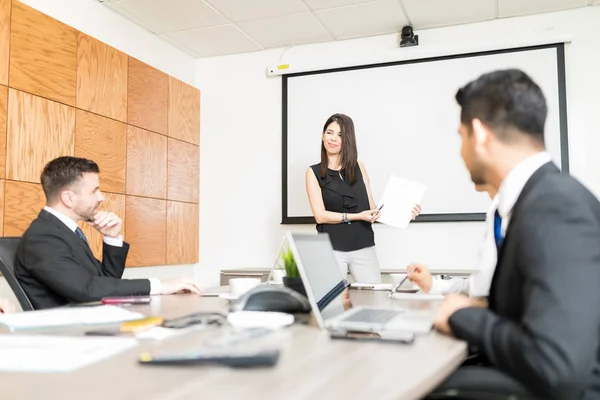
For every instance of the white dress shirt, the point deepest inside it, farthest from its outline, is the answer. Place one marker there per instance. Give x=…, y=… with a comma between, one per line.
x=478, y=283
x=155, y=283
x=515, y=181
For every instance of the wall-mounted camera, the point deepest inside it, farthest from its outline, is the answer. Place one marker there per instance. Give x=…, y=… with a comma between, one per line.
x=408, y=37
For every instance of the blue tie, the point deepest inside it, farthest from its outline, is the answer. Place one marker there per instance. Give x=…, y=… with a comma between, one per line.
x=81, y=235
x=498, y=229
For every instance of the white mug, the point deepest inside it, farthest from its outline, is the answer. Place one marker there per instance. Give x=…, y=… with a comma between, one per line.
x=239, y=286
x=277, y=275
x=397, y=278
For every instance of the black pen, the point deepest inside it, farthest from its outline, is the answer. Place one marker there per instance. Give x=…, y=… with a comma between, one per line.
x=378, y=209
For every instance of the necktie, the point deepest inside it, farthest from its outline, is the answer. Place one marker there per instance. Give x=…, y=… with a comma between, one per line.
x=498, y=229
x=81, y=235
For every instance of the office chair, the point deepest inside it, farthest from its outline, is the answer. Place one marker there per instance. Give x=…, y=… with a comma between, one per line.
x=8, y=257
x=480, y=383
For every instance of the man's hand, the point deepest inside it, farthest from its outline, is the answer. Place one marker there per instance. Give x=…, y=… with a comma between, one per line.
x=346, y=302
x=179, y=286
x=6, y=307
x=107, y=223
x=451, y=304
x=419, y=274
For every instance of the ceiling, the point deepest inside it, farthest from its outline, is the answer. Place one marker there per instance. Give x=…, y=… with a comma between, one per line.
x=205, y=28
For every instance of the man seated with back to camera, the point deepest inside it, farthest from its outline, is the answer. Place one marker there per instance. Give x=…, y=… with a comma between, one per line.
x=538, y=333
x=55, y=264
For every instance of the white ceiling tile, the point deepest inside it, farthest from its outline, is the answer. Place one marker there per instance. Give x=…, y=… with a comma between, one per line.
x=245, y=10
x=286, y=30
x=215, y=41
x=510, y=8
x=323, y=4
x=431, y=13
x=173, y=15
x=115, y=6
x=368, y=19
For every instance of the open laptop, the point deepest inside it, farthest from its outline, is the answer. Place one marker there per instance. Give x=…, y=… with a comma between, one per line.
x=325, y=283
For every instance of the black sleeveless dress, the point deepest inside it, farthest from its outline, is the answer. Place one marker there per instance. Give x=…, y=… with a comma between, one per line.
x=340, y=196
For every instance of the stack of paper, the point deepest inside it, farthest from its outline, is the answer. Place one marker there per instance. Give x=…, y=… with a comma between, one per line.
x=68, y=316
x=37, y=353
x=398, y=200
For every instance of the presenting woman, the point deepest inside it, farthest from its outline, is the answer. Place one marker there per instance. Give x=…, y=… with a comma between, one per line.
x=341, y=200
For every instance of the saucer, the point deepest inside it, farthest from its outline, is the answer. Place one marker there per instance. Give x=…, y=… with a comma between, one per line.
x=228, y=296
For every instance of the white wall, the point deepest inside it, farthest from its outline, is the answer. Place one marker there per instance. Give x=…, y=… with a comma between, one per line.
x=92, y=18
x=240, y=158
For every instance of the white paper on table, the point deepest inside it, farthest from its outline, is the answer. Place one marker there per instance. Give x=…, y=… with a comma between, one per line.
x=41, y=353
x=68, y=316
x=398, y=200
x=417, y=296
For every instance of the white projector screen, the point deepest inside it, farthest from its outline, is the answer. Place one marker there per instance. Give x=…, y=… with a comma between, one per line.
x=406, y=122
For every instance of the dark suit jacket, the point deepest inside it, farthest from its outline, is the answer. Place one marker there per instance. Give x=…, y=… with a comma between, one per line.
x=55, y=267
x=543, y=322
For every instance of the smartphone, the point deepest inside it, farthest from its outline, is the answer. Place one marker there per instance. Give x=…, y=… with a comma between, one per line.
x=113, y=331
x=127, y=300
x=387, y=336
x=202, y=318
x=233, y=358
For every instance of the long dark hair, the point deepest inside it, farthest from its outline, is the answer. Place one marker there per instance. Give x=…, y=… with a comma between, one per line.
x=349, y=153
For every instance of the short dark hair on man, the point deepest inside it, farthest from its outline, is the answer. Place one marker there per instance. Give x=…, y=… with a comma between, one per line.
x=506, y=101
x=63, y=172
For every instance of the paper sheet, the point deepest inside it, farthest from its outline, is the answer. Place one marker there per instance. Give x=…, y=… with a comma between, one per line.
x=399, y=198
x=417, y=296
x=39, y=353
x=68, y=316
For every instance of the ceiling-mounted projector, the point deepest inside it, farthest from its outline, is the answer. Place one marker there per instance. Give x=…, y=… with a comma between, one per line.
x=408, y=37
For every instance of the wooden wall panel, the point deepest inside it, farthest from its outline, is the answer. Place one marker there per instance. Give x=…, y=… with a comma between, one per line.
x=146, y=163
x=146, y=230
x=2, y=191
x=104, y=141
x=101, y=78
x=22, y=203
x=114, y=203
x=43, y=55
x=184, y=111
x=183, y=171
x=3, y=116
x=147, y=97
x=4, y=40
x=39, y=130
x=63, y=92
x=182, y=233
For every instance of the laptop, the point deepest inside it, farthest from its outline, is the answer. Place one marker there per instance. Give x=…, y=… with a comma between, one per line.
x=325, y=284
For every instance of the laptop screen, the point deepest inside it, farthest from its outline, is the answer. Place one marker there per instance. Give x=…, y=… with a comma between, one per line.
x=321, y=272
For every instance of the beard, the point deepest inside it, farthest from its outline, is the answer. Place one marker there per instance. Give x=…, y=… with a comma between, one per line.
x=87, y=214
x=478, y=174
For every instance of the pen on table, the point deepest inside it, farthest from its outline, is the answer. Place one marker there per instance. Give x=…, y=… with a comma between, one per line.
x=398, y=286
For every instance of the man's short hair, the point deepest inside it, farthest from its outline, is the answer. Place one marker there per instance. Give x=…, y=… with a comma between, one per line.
x=506, y=101
x=63, y=172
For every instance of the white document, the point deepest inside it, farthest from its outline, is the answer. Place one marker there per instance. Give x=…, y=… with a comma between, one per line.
x=68, y=316
x=39, y=353
x=371, y=286
x=399, y=198
x=417, y=296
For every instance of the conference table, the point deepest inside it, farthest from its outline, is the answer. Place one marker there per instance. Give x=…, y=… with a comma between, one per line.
x=311, y=365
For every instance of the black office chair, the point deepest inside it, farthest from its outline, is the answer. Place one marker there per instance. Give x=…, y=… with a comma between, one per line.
x=8, y=257
x=480, y=383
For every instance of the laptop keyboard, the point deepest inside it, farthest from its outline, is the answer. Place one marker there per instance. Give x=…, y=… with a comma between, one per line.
x=372, y=316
